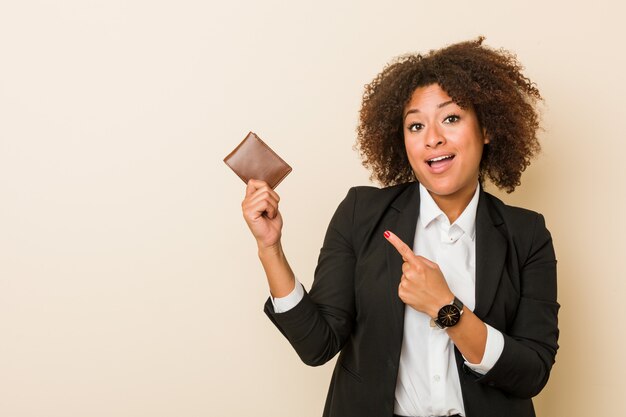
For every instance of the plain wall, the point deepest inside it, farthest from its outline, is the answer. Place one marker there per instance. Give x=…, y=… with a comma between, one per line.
x=129, y=282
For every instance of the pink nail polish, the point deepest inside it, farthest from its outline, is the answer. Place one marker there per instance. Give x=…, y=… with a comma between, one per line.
x=387, y=234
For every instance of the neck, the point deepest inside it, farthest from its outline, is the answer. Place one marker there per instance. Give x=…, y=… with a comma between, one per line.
x=453, y=205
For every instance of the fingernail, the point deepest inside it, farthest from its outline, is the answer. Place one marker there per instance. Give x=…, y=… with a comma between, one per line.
x=387, y=234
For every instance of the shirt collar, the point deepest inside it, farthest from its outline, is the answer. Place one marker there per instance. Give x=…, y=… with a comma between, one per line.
x=429, y=211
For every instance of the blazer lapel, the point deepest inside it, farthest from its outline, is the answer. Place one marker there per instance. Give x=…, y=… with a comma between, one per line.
x=402, y=221
x=491, y=249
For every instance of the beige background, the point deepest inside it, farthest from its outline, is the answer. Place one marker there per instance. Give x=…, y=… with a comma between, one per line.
x=129, y=283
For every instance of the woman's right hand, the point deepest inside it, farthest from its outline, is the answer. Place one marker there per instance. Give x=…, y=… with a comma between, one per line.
x=260, y=210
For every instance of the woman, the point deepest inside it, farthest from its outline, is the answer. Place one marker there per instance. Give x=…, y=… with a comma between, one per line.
x=440, y=298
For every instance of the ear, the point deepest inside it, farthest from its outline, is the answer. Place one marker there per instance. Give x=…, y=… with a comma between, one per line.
x=486, y=139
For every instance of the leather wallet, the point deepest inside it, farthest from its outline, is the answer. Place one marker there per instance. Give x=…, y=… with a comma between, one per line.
x=252, y=158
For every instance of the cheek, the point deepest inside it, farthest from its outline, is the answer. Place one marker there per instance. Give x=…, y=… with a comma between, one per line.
x=478, y=148
x=477, y=154
x=413, y=157
x=408, y=150
x=411, y=150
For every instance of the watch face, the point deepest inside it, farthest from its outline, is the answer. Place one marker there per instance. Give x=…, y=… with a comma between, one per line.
x=449, y=315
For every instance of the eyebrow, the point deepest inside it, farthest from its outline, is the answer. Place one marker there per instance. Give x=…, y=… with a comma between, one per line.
x=440, y=105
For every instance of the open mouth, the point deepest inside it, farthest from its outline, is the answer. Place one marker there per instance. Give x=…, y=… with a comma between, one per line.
x=439, y=160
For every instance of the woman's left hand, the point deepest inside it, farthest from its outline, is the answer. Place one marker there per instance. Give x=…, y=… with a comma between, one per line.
x=422, y=285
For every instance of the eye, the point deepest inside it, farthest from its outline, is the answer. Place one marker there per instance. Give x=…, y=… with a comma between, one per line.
x=415, y=127
x=453, y=118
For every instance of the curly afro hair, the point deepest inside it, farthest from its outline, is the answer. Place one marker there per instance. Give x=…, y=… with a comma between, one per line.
x=474, y=76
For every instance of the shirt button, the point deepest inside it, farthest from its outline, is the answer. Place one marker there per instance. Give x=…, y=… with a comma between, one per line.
x=436, y=378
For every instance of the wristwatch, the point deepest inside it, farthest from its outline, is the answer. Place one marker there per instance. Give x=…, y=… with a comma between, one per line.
x=449, y=315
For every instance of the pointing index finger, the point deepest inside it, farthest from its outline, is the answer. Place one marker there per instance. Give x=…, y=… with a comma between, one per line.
x=402, y=248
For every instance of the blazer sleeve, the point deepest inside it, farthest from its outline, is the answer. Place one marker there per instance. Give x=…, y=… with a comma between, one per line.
x=530, y=340
x=319, y=325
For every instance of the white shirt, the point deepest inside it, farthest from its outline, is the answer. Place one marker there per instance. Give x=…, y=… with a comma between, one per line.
x=428, y=381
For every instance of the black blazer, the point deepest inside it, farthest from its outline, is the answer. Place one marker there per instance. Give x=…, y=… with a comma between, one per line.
x=353, y=305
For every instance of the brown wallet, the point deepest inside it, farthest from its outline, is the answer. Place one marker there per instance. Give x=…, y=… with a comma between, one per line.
x=252, y=158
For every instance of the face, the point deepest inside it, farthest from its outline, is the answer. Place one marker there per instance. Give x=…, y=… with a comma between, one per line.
x=444, y=143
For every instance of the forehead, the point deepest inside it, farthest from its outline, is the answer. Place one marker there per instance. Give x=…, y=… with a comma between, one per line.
x=427, y=96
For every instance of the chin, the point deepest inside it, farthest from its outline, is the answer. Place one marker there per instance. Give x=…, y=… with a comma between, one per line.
x=443, y=191
x=444, y=188
x=438, y=186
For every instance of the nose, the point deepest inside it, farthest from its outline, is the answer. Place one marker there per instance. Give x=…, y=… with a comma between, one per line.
x=434, y=137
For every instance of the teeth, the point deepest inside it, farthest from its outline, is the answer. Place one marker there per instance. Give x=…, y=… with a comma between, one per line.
x=441, y=158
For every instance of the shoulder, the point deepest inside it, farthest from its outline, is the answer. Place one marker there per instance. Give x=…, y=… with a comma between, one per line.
x=369, y=194
x=364, y=205
x=524, y=226
x=370, y=201
x=510, y=214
